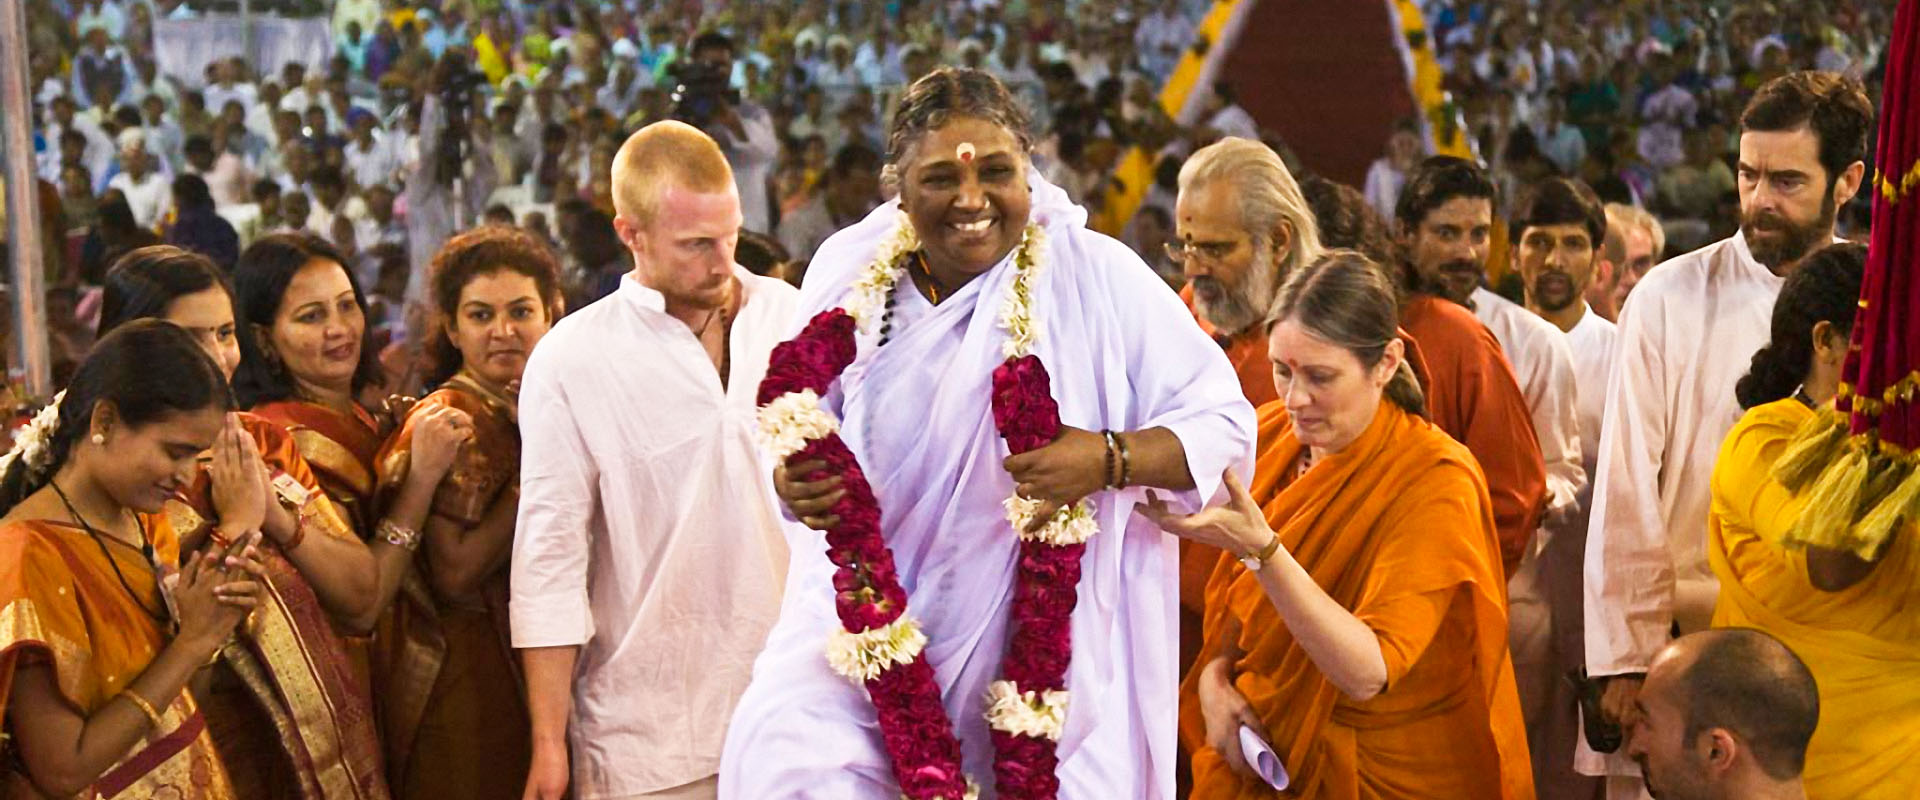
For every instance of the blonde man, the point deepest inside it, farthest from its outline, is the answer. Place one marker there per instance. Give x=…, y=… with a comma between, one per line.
x=649, y=562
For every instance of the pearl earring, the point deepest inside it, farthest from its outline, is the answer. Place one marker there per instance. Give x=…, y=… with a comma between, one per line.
x=99, y=438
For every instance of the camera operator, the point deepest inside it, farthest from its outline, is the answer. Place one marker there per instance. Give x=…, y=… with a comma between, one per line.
x=451, y=148
x=704, y=98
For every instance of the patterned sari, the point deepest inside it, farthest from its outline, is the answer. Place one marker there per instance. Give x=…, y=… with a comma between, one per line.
x=407, y=648
x=284, y=702
x=471, y=740
x=62, y=605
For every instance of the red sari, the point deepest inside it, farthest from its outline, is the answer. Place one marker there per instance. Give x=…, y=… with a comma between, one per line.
x=407, y=647
x=285, y=701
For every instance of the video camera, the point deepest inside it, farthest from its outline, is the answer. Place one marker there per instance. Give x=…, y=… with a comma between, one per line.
x=701, y=90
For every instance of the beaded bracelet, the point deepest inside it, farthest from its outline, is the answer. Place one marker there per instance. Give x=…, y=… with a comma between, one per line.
x=1126, y=462
x=1113, y=459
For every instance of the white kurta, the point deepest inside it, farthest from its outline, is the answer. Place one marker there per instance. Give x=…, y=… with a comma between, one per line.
x=647, y=531
x=1686, y=336
x=1124, y=355
x=1543, y=366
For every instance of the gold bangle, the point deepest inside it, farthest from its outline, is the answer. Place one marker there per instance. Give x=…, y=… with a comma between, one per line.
x=144, y=706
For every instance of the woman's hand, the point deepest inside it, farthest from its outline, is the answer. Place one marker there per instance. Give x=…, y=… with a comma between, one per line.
x=1239, y=527
x=216, y=590
x=809, y=501
x=1224, y=710
x=240, y=485
x=437, y=438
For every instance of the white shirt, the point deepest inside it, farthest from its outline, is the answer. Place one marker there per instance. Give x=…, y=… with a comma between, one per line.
x=1685, y=337
x=1383, y=187
x=1542, y=364
x=374, y=165
x=150, y=199
x=647, y=531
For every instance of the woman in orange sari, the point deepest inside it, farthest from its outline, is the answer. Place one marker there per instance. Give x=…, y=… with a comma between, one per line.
x=496, y=290
x=101, y=629
x=1851, y=619
x=1357, y=625
x=306, y=365
x=282, y=703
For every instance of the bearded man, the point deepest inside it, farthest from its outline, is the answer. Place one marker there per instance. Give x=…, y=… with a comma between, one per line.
x=1685, y=336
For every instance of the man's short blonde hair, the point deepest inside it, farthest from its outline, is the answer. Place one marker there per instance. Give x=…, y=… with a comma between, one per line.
x=664, y=155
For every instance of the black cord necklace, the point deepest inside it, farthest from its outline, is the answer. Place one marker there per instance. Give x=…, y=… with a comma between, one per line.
x=146, y=549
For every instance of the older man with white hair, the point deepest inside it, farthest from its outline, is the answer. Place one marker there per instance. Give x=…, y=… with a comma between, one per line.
x=147, y=191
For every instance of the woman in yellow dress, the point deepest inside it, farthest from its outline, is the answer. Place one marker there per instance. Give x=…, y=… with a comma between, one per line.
x=283, y=706
x=101, y=626
x=1850, y=619
x=496, y=291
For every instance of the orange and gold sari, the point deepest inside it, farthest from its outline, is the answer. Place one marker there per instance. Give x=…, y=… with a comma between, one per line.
x=340, y=449
x=471, y=740
x=285, y=701
x=1397, y=528
x=63, y=606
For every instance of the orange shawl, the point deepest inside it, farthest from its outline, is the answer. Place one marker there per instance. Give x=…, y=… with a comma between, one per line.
x=62, y=605
x=1474, y=398
x=1394, y=527
x=293, y=670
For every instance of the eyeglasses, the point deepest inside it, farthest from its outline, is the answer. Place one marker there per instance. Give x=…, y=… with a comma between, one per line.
x=1211, y=252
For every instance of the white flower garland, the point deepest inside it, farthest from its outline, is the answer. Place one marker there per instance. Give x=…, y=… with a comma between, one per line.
x=863, y=656
x=791, y=421
x=32, y=442
x=1035, y=714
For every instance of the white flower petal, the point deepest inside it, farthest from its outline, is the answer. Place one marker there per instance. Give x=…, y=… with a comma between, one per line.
x=791, y=421
x=863, y=656
x=1041, y=715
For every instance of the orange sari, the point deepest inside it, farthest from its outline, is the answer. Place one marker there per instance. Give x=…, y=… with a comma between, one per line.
x=62, y=605
x=286, y=702
x=472, y=737
x=1397, y=529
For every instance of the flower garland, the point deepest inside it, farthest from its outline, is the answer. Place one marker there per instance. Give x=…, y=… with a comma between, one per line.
x=879, y=644
x=32, y=443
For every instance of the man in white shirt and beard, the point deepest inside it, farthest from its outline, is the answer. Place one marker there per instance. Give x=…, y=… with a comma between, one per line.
x=1685, y=337
x=1558, y=228
x=649, y=560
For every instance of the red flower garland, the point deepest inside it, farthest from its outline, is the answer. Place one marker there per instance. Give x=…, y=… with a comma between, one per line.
x=914, y=727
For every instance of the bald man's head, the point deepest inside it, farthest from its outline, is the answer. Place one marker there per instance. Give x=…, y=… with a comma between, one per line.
x=661, y=157
x=1723, y=706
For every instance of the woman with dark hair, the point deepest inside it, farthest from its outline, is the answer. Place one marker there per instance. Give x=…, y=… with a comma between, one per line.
x=285, y=702
x=978, y=259
x=197, y=227
x=305, y=365
x=1848, y=615
x=102, y=626
x=496, y=291
x=1358, y=625
x=308, y=362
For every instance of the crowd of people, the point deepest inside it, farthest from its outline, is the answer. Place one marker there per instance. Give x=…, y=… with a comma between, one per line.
x=1339, y=503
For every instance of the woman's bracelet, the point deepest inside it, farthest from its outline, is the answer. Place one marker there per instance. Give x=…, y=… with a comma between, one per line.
x=1126, y=462
x=399, y=535
x=145, y=707
x=1113, y=460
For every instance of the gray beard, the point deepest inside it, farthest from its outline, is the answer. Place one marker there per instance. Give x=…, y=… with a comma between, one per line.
x=1246, y=306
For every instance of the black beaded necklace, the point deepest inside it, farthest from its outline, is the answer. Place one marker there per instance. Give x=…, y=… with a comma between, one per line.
x=146, y=549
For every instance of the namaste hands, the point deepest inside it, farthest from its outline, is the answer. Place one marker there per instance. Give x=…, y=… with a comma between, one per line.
x=1061, y=473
